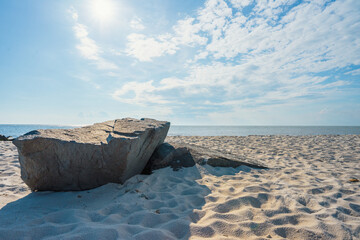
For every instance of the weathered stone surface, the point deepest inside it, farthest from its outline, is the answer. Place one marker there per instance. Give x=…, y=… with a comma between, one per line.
x=88, y=157
x=3, y=138
x=186, y=155
x=217, y=158
x=167, y=155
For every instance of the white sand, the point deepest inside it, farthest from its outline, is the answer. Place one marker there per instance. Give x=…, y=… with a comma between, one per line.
x=305, y=195
x=11, y=185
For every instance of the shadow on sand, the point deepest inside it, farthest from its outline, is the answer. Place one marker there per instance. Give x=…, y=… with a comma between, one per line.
x=157, y=206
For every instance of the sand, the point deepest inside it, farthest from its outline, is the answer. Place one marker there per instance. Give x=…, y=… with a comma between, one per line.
x=11, y=185
x=306, y=194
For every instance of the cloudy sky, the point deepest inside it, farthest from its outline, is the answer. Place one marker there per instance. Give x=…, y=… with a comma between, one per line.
x=216, y=62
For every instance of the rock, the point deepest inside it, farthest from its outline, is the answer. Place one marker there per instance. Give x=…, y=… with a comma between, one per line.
x=3, y=138
x=88, y=157
x=186, y=155
x=167, y=155
x=216, y=158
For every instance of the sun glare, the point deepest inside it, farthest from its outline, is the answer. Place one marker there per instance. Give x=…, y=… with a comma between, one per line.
x=103, y=10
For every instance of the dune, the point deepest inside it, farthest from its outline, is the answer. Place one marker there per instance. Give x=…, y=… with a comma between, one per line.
x=305, y=194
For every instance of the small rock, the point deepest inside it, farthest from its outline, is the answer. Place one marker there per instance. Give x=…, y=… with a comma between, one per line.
x=167, y=155
x=3, y=138
x=186, y=155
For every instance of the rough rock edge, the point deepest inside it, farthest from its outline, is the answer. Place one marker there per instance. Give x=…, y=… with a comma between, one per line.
x=3, y=138
x=217, y=158
x=178, y=155
x=149, y=131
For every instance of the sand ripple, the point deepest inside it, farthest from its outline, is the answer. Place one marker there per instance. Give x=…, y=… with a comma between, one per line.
x=306, y=194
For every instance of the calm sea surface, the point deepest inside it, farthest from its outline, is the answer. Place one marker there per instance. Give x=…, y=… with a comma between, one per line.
x=261, y=130
x=17, y=130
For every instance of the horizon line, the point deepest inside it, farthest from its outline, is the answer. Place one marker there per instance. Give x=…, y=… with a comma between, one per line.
x=188, y=125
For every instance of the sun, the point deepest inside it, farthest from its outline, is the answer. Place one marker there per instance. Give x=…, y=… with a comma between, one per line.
x=103, y=10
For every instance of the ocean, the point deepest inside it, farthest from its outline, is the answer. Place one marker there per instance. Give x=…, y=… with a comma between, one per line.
x=176, y=130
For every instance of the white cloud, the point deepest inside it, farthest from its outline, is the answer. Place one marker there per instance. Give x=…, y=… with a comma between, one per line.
x=295, y=43
x=355, y=72
x=279, y=59
x=138, y=93
x=244, y=85
x=213, y=17
x=201, y=55
x=73, y=13
x=104, y=64
x=278, y=54
x=144, y=48
x=87, y=47
x=185, y=33
x=240, y=3
x=136, y=23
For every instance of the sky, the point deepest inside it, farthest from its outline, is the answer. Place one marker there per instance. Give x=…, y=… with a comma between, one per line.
x=215, y=62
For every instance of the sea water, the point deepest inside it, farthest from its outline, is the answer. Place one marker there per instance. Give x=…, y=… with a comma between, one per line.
x=15, y=130
x=261, y=130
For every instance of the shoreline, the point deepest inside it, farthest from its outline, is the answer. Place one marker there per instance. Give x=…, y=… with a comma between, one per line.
x=305, y=194
x=16, y=130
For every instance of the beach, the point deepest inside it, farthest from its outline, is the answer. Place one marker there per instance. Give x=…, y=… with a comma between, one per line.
x=306, y=193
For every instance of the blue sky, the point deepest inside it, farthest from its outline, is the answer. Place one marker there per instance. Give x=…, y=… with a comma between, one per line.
x=235, y=62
